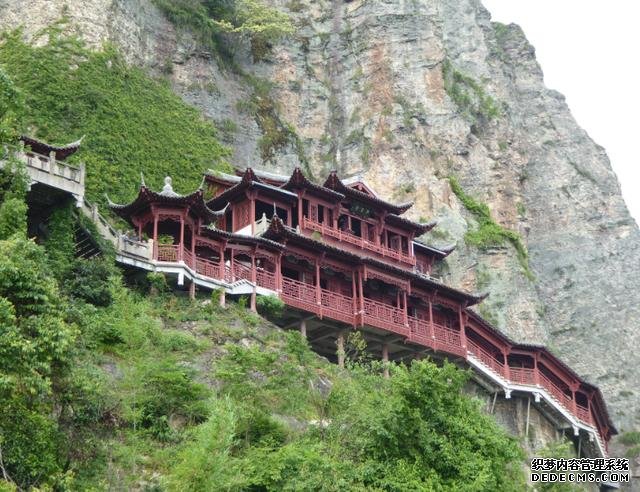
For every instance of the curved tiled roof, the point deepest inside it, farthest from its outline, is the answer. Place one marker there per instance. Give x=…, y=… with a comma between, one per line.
x=41, y=147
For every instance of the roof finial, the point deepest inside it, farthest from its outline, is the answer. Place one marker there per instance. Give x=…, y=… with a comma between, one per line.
x=202, y=184
x=142, y=183
x=167, y=188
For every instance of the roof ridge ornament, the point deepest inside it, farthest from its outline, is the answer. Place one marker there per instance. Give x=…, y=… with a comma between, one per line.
x=142, y=183
x=167, y=189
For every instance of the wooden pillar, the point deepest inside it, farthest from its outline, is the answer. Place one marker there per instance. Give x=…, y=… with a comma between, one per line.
x=300, y=210
x=221, y=263
x=318, y=292
x=354, y=292
x=192, y=290
x=193, y=246
x=303, y=328
x=431, y=330
x=253, y=300
x=536, y=370
x=405, y=308
x=361, y=295
x=507, y=372
x=155, y=235
x=253, y=267
x=385, y=359
x=463, y=335
x=181, y=247
x=252, y=215
x=340, y=348
x=279, y=273
x=223, y=298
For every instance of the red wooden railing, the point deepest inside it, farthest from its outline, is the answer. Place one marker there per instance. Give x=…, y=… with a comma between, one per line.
x=420, y=331
x=208, y=268
x=377, y=314
x=522, y=375
x=486, y=357
x=362, y=243
x=266, y=279
x=555, y=391
x=299, y=294
x=166, y=252
x=337, y=306
x=385, y=316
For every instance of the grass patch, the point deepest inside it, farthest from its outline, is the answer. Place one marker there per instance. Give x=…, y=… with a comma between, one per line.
x=489, y=233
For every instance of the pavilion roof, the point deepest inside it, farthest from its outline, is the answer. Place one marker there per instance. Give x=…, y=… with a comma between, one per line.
x=418, y=227
x=334, y=183
x=167, y=197
x=250, y=180
x=219, y=234
x=41, y=147
x=298, y=180
x=278, y=231
x=440, y=253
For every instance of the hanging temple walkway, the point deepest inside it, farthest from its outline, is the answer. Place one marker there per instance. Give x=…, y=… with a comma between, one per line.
x=341, y=258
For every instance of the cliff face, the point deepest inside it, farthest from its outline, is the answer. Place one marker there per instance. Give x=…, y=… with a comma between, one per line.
x=409, y=93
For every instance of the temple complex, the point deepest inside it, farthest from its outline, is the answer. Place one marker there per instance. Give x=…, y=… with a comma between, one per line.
x=343, y=258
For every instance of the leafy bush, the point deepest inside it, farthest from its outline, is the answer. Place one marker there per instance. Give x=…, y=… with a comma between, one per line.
x=270, y=306
x=89, y=281
x=157, y=282
x=13, y=218
x=211, y=18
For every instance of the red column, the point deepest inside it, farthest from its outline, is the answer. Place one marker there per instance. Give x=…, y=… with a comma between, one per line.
x=355, y=296
x=300, y=221
x=404, y=308
x=318, y=293
x=193, y=246
x=252, y=216
x=536, y=371
x=221, y=262
x=361, y=295
x=463, y=335
x=155, y=235
x=180, y=256
x=507, y=373
x=431, y=332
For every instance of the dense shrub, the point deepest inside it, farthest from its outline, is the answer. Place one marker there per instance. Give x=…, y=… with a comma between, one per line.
x=270, y=306
x=89, y=281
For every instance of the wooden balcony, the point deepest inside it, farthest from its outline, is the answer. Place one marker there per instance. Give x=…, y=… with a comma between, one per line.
x=325, y=303
x=358, y=242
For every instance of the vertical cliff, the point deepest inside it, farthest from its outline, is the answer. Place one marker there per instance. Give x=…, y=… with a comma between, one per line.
x=417, y=95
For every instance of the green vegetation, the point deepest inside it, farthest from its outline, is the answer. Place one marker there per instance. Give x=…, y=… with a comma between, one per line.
x=106, y=388
x=211, y=19
x=470, y=97
x=489, y=233
x=132, y=123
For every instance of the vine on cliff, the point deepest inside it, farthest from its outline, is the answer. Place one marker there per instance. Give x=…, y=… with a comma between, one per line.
x=489, y=233
x=132, y=123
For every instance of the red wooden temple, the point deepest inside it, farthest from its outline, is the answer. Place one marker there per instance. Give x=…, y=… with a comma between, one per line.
x=341, y=257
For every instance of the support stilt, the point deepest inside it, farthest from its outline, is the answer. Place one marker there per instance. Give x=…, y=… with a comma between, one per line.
x=223, y=298
x=385, y=359
x=493, y=405
x=303, y=328
x=526, y=429
x=340, y=348
x=192, y=291
x=253, y=301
